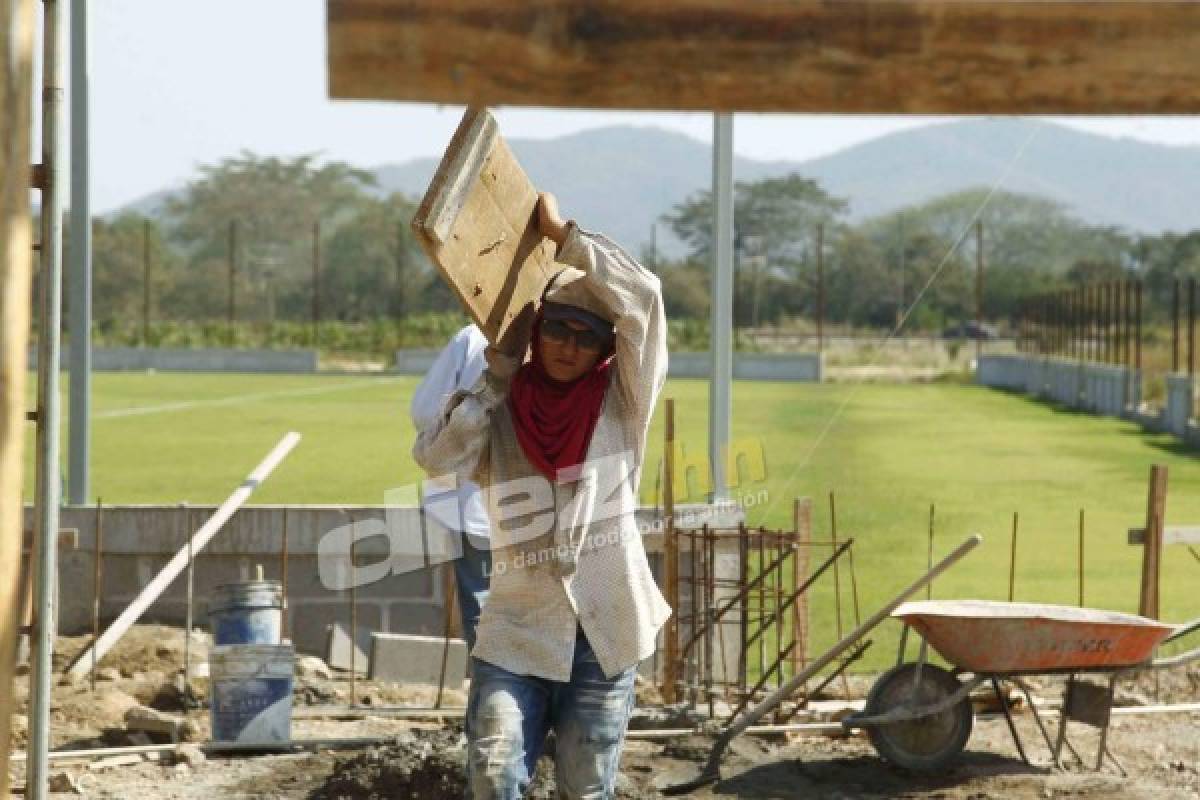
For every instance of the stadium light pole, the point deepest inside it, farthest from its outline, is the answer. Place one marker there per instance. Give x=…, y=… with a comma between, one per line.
x=80, y=284
x=720, y=401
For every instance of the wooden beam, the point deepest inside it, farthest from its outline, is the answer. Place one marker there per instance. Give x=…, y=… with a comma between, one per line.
x=900, y=56
x=1156, y=506
x=16, y=265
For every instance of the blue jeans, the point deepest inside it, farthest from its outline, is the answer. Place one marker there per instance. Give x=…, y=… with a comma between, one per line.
x=471, y=572
x=509, y=715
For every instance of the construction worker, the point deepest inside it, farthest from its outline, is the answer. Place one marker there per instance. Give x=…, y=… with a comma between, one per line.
x=554, y=433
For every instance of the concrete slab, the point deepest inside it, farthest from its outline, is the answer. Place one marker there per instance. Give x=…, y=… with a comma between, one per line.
x=405, y=658
x=342, y=654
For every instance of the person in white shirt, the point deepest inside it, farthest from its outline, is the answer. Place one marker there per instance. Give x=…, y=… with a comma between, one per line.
x=457, y=368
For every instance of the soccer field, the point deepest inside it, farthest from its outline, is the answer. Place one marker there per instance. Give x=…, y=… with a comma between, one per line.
x=888, y=451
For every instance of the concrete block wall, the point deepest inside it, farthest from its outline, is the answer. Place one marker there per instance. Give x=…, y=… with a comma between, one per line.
x=139, y=540
x=208, y=359
x=1102, y=389
x=802, y=367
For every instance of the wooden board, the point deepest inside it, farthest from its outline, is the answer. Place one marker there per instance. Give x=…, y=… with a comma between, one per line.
x=899, y=56
x=16, y=266
x=478, y=224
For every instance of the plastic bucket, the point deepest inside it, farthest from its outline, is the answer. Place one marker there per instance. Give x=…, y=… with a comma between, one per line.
x=247, y=613
x=251, y=693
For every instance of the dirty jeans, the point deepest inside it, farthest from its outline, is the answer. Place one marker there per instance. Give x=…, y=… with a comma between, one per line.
x=509, y=715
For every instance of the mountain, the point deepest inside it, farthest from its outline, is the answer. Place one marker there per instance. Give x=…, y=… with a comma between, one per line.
x=622, y=179
x=1143, y=187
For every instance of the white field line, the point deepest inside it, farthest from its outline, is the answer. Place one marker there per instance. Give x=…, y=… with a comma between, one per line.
x=239, y=399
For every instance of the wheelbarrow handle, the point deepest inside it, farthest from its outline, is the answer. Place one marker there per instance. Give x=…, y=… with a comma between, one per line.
x=772, y=701
x=1181, y=658
x=1183, y=630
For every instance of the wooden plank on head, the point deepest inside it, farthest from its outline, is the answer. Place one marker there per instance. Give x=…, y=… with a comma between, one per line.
x=16, y=266
x=901, y=56
x=478, y=224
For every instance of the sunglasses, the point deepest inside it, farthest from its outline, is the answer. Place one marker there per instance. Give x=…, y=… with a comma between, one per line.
x=559, y=332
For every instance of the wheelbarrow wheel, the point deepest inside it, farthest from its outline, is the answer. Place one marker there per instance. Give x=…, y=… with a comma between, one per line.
x=926, y=743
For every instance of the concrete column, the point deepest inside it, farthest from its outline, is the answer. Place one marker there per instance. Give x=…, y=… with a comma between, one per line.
x=1180, y=391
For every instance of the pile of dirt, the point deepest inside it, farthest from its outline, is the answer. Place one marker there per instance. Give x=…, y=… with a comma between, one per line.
x=425, y=765
x=429, y=765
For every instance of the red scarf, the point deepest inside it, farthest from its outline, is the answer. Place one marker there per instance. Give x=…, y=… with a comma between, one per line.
x=554, y=421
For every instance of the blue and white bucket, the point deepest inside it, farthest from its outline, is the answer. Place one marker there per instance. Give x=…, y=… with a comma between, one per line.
x=247, y=613
x=251, y=693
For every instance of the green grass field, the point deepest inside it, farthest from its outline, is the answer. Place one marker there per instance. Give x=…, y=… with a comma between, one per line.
x=888, y=451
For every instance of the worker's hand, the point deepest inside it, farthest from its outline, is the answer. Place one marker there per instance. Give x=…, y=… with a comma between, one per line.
x=501, y=367
x=550, y=222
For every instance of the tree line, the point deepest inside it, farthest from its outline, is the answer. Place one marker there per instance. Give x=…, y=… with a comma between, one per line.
x=253, y=227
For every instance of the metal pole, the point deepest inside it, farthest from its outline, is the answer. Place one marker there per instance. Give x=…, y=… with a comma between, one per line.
x=80, y=253
x=720, y=401
x=48, y=477
x=820, y=287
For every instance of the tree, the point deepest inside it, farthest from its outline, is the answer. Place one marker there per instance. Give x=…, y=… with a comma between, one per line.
x=775, y=223
x=374, y=267
x=273, y=202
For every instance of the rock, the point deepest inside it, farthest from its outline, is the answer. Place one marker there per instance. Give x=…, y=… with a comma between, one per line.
x=313, y=667
x=181, y=770
x=167, y=650
x=190, y=732
x=64, y=782
x=108, y=674
x=21, y=670
x=19, y=724
x=143, y=718
x=190, y=754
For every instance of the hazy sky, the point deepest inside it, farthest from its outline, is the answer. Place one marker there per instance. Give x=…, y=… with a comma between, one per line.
x=179, y=84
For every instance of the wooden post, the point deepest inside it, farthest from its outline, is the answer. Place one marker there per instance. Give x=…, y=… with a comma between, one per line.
x=978, y=287
x=233, y=244
x=820, y=289
x=1012, y=561
x=316, y=284
x=670, y=558
x=1156, y=505
x=16, y=265
x=929, y=553
x=146, y=282
x=1081, y=529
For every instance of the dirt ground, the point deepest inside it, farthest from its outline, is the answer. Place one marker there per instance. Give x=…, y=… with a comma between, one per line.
x=424, y=759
